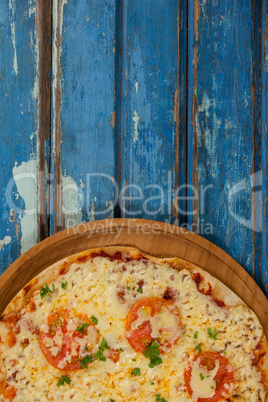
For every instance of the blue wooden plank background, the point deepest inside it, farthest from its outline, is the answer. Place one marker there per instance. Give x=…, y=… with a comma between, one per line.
x=158, y=110
x=18, y=129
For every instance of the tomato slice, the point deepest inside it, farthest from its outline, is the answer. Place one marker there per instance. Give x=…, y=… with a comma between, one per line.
x=153, y=319
x=209, y=377
x=62, y=344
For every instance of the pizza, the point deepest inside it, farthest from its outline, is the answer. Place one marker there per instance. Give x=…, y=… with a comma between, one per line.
x=112, y=324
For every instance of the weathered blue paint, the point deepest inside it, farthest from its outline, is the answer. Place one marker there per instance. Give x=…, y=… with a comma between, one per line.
x=264, y=144
x=148, y=142
x=87, y=65
x=149, y=96
x=18, y=118
x=225, y=121
x=181, y=116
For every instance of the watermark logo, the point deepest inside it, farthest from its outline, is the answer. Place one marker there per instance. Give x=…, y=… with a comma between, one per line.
x=153, y=201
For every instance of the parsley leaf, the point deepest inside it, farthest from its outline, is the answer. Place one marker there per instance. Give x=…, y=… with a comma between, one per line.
x=136, y=371
x=99, y=355
x=139, y=290
x=45, y=290
x=195, y=334
x=111, y=400
x=96, y=356
x=159, y=399
x=64, y=379
x=94, y=320
x=82, y=328
x=212, y=334
x=85, y=361
x=198, y=347
x=128, y=288
x=153, y=353
x=104, y=345
x=201, y=376
x=64, y=285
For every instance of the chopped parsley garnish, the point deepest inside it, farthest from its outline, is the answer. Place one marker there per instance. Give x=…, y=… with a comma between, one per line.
x=104, y=345
x=45, y=290
x=94, y=320
x=133, y=360
x=99, y=356
x=96, y=356
x=82, y=328
x=64, y=379
x=86, y=349
x=128, y=288
x=153, y=353
x=139, y=290
x=136, y=371
x=121, y=350
x=201, y=376
x=213, y=334
x=195, y=334
x=212, y=387
x=111, y=400
x=152, y=383
x=224, y=352
x=159, y=399
x=64, y=285
x=198, y=347
x=86, y=360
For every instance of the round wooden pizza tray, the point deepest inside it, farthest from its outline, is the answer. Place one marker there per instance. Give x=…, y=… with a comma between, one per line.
x=151, y=237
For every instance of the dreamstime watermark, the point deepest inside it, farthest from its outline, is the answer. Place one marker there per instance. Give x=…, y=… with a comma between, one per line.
x=184, y=205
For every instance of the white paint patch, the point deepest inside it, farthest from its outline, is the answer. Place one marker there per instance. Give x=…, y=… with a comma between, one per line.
x=12, y=12
x=91, y=215
x=137, y=87
x=72, y=201
x=136, y=120
x=208, y=132
x=110, y=207
x=5, y=241
x=25, y=176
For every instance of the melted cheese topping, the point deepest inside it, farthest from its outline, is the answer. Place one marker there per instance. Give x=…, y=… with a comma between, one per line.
x=202, y=382
x=92, y=289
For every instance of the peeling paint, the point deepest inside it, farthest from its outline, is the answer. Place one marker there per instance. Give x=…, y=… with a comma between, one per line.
x=209, y=133
x=11, y=5
x=72, y=199
x=136, y=120
x=112, y=120
x=25, y=177
x=5, y=241
x=137, y=87
x=110, y=207
x=91, y=215
x=58, y=9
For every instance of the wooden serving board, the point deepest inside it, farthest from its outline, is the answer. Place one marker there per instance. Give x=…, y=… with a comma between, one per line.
x=151, y=237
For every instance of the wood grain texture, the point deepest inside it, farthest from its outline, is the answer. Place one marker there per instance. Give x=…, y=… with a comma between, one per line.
x=151, y=237
x=18, y=129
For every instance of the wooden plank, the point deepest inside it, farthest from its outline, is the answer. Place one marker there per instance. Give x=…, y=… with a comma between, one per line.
x=148, y=123
x=83, y=111
x=224, y=119
x=18, y=129
x=264, y=144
